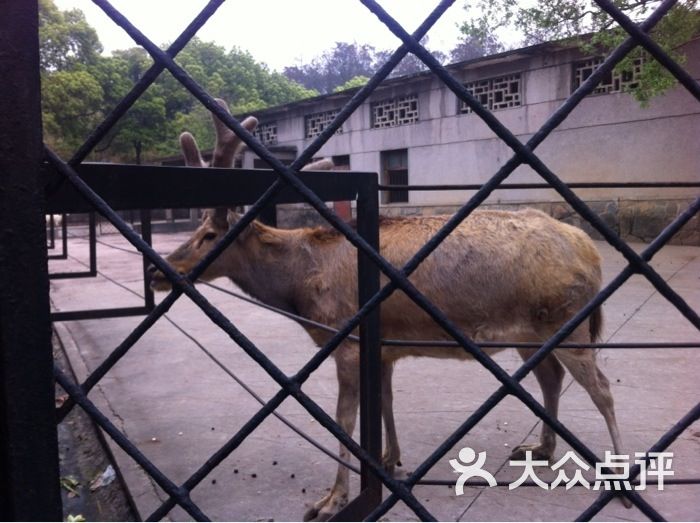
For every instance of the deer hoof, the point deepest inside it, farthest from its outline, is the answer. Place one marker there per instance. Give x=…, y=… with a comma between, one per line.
x=390, y=463
x=539, y=452
x=325, y=509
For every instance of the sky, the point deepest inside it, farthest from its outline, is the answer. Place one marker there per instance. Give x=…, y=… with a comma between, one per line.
x=277, y=32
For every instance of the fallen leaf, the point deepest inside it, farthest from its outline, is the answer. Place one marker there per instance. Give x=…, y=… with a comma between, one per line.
x=71, y=484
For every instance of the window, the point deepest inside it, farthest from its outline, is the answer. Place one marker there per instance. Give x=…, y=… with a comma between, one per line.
x=613, y=82
x=396, y=111
x=395, y=172
x=315, y=123
x=494, y=93
x=341, y=162
x=266, y=133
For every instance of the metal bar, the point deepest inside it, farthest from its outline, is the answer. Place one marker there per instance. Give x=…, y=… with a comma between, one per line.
x=511, y=186
x=146, y=234
x=95, y=314
x=64, y=241
x=370, y=349
x=64, y=236
x=29, y=473
x=52, y=232
x=530, y=483
x=92, y=239
x=70, y=275
x=92, y=252
x=121, y=312
x=526, y=345
x=126, y=187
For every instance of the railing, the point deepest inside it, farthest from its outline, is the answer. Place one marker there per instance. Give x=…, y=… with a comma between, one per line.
x=28, y=470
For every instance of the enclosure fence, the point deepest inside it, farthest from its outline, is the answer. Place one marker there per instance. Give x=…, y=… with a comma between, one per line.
x=32, y=490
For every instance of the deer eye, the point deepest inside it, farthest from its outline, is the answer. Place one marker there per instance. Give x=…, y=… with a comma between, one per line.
x=209, y=236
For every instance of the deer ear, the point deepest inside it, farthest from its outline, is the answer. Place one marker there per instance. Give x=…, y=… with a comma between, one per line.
x=190, y=150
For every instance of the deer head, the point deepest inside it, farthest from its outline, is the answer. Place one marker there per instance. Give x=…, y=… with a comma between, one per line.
x=215, y=222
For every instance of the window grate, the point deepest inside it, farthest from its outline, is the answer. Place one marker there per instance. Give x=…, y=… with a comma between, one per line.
x=502, y=92
x=397, y=111
x=266, y=133
x=613, y=81
x=316, y=123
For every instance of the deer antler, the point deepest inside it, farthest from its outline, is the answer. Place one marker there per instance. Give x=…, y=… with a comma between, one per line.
x=227, y=143
x=190, y=150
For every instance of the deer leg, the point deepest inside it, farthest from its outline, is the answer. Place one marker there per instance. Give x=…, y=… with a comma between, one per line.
x=584, y=369
x=392, y=453
x=550, y=376
x=347, y=368
x=582, y=365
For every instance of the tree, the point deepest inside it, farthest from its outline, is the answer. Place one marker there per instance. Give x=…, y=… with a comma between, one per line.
x=334, y=67
x=344, y=62
x=146, y=127
x=65, y=38
x=80, y=86
x=71, y=102
x=357, y=81
x=410, y=64
x=469, y=48
x=583, y=23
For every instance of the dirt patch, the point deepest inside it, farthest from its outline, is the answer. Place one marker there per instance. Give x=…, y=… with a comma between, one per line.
x=84, y=460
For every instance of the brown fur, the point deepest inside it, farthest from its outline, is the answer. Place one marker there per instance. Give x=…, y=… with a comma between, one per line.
x=499, y=276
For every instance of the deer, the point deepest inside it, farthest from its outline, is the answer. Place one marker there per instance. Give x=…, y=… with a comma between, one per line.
x=503, y=276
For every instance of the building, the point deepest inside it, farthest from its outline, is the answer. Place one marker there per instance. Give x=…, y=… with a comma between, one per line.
x=414, y=130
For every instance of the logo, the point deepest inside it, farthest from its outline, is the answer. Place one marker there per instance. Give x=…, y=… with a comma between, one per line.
x=612, y=474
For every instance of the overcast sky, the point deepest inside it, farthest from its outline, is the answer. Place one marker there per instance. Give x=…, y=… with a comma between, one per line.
x=277, y=32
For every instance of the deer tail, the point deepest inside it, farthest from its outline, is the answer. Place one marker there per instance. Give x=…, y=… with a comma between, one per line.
x=595, y=324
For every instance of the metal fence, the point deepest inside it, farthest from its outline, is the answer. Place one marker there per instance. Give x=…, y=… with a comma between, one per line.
x=28, y=462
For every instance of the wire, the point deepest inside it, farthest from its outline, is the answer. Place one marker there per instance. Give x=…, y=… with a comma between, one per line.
x=440, y=343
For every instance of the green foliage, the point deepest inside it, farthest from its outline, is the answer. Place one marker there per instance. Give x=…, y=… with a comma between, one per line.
x=356, y=81
x=585, y=24
x=70, y=106
x=80, y=86
x=65, y=38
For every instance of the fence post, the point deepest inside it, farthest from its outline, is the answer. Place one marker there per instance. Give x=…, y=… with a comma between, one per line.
x=29, y=478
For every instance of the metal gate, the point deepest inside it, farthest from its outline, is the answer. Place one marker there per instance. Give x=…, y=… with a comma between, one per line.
x=28, y=459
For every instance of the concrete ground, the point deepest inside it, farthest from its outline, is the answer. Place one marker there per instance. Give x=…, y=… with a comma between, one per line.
x=179, y=406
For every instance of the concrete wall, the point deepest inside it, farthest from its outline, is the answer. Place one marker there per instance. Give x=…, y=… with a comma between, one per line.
x=607, y=138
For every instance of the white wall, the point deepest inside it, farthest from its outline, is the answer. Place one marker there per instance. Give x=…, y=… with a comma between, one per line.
x=606, y=138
